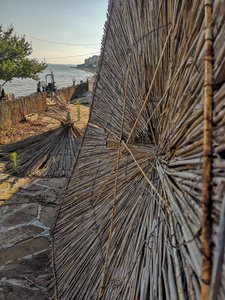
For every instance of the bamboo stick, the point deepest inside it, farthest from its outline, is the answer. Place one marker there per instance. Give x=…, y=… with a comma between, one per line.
x=206, y=189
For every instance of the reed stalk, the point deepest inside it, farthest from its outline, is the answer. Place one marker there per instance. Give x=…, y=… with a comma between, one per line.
x=207, y=153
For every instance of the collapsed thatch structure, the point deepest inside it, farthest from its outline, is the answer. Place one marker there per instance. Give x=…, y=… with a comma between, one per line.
x=50, y=154
x=142, y=214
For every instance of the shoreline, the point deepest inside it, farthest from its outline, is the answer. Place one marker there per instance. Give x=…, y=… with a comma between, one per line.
x=86, y=70
x=63, y=77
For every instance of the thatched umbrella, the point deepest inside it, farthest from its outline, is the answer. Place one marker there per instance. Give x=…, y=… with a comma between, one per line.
x=142, y=216
x=51, y=153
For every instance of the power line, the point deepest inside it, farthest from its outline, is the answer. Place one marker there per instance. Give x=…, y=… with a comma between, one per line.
x=52, y=42
x=68, y=56
x=59, y=43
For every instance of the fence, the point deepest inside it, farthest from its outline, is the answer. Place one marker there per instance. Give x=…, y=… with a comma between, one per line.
x=12, y=112
x=72, y=91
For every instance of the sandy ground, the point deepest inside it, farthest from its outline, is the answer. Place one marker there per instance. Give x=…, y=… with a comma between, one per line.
x=26, y=129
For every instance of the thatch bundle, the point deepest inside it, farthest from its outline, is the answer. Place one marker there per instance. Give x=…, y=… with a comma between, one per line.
x=49, y=154
x=142, y=216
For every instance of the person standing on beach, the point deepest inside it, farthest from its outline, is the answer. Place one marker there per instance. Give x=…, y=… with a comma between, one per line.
x=38, y=87
x=2, y=93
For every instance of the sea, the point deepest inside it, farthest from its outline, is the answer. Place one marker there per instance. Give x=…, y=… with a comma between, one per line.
x=63, y=75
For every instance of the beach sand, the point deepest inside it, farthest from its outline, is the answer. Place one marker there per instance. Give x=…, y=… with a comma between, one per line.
x=44, y=123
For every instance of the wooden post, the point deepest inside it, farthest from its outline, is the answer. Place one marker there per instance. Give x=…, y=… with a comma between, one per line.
x=206, y=189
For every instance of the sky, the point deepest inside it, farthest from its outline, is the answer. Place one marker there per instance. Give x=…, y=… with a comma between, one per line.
x=61, y=22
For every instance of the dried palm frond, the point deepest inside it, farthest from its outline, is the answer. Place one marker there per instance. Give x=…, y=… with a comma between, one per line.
x=49, y=154
x=130, y=224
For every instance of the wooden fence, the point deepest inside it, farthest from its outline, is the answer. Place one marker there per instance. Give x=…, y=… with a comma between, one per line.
x=72, y=91
x=12, y=112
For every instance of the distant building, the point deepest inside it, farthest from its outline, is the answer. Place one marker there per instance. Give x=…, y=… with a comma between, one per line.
x=91, y=59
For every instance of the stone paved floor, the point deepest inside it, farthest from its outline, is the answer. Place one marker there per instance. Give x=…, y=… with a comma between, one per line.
x=27, y=212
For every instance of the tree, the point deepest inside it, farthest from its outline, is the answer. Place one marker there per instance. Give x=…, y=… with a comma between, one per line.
x=13, y=57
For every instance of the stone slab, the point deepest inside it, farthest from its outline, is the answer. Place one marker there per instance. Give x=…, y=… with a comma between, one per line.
x=43, y=198
x=23, y=249
x=17, y=200
x=37, y=268
x=31, y=187
x=48, y=216
x=16, y=235
x=24, y=215
x=54, y=183
x=15, y=292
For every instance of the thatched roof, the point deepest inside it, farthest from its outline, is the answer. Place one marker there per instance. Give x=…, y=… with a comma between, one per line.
x=49, y=154
x=131, y=223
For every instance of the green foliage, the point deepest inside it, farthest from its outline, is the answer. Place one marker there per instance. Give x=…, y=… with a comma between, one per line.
x=13, y=57
x=93, y=65
x=78, y=110
x=14, y=161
